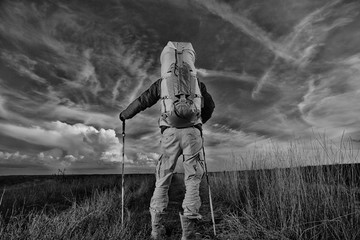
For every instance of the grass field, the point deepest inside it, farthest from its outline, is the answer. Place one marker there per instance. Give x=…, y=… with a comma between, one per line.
x=317, y=202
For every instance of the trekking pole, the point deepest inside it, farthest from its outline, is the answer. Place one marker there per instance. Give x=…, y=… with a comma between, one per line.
x=122, y=175
x=208, y=183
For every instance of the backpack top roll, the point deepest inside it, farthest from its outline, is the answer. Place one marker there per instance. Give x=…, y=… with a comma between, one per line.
x=168, y=56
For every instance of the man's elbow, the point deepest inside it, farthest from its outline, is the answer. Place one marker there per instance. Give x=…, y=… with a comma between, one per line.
x=206, y=116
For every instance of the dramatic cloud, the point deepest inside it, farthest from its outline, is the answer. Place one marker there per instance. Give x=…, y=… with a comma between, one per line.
x=68, y=143
x=332, y=98
x=277, y=71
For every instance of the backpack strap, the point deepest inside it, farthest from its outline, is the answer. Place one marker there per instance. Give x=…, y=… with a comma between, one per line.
x=179, y=63
x=193, y=85
x=168, y=88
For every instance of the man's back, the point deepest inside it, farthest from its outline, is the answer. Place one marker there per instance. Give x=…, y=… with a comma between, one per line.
x=178, y=88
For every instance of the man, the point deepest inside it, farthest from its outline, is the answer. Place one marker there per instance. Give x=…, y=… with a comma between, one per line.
x=178, y=137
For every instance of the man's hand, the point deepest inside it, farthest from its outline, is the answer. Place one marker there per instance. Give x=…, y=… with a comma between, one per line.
x=121, y=116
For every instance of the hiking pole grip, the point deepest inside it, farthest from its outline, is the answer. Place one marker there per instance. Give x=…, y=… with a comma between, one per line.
x=209, y=189
x=122, y=175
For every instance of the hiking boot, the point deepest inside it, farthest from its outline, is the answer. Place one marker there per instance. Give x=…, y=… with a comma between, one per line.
x=157, y=229
x=188, y=227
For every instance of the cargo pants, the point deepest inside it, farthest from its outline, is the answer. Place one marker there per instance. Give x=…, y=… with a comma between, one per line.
x=174, y=142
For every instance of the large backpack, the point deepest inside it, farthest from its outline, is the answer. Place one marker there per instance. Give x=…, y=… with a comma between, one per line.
x=180, y=92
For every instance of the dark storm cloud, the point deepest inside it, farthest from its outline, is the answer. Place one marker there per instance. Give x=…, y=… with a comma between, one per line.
x=9, y=144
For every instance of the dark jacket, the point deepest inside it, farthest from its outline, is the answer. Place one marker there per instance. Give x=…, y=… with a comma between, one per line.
x=152, y=95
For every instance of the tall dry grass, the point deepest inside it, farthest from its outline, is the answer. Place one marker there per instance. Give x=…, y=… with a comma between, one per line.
x=90, y=209
x=317, y=202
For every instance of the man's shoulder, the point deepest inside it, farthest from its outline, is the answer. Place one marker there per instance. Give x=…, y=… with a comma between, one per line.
x=202, y=86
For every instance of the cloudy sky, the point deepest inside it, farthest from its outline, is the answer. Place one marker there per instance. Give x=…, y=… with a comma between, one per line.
x=277, y=70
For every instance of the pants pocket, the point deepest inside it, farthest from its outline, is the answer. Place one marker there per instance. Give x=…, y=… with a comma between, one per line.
x=193, y=167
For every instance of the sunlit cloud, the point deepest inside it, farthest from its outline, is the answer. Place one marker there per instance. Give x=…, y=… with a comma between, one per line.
x=75, y=139
x=15, y=155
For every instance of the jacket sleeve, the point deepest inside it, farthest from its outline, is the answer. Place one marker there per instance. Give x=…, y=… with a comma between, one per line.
x=145, y=100
x=209, y=104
